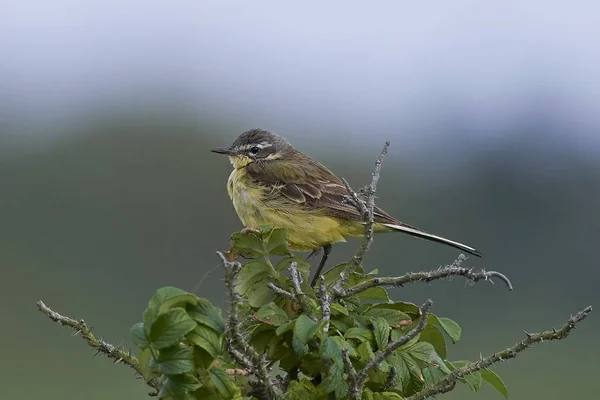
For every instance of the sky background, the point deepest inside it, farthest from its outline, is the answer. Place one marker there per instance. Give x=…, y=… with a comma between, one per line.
x=108, y=110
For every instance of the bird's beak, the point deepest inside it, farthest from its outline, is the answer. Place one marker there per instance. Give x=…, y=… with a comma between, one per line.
x=223, y=150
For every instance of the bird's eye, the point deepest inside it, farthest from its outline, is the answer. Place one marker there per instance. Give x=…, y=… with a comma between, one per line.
x=254, y=150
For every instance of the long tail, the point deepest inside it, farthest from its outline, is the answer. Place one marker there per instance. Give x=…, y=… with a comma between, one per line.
x=411, y=230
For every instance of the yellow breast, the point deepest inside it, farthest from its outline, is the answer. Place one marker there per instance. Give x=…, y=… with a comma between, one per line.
x=307, y=229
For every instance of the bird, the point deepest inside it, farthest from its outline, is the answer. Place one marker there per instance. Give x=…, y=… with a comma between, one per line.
x=274, y=184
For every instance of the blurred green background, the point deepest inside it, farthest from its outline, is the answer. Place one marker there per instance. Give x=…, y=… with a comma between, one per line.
x=109, y=190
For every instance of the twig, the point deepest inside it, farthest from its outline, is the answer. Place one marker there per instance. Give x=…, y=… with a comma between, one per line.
x=381, y=355
x=281, y=291
x=366, y=208
x=325, y=302
x=116, y=353
x=355, y=392
x=453, y=269
x=503, y=355
x=239, y=347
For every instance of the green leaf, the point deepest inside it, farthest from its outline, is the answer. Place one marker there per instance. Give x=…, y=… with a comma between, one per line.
x=224, y=383
x=333, y=274
x=278, y=244
x=302, y=265
x=408, y=308
x=184, y=383
x=202, y=358
x=495, y=381
x=422, y=351
x=474, y=380
x=387, y=396
x=145, y=359
x=281, y=329
x=247, y=245
x=300, y=348
x=337, y=308
x=375, y=293
x=432, y=375
x=170, y=327
x=251, y=273
x=207, y=314
x=330, y=348
x=381, y=329
x=301, y=390
x=177, y=359
x=392, y=316
x=304, y=329
x=273, y=314
x=362, y=334
x=451, y=328
x=164, y=299
x=334, y=377
x=416, y=375
x=207, y=339
x=433, y=335
x=138, y=335
x=365, y=352
x=260, y=294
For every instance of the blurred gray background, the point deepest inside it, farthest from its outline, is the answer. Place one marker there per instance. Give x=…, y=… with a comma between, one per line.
x=108, y=110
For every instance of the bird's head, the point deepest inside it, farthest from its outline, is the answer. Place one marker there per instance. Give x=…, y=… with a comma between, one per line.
x=256, y=145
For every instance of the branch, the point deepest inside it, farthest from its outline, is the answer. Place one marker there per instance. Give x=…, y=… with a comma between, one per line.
x=366, y=208
x=115, y=353
x=453, y=269
x=503, y=355
x=325, y=302
x=381, y=355
x=239, y=348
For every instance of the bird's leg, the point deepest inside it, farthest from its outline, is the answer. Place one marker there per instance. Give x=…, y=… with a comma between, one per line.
x=313, y=254
x=326, y=252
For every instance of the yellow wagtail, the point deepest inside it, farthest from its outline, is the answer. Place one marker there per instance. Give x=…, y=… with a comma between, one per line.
x=274, y=184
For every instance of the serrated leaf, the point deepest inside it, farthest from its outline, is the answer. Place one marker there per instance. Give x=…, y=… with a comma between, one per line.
x=174, y=360
x=433, y=335
x=416, y=375
x=337, y=308
x=422, y=351
x=272, y=314
x=365, y=352
x=495, y=381
x=432, y=375
x=145, y=359
x=330, y=348
x=301, y=390
x=179, y=384
x=392, y=316
x=300, y=348
x=332, y=275
x=260, y=294
x=163, y=299
x=281, y=329
x=387, y=396
x=334, y=377
x=170, y=327
x=204, y=312
x=411, y=309
x=375, y=293
x=248, y=245
x=362, y=334
x=138, y=335
x=302, y=266
x=452, y=329
x=305, y=329
x=224, y=383
x=381, y=329
x=206, y=338
x=251, y=273
x=202, y=358
x=474, y=380
x=278, y=244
